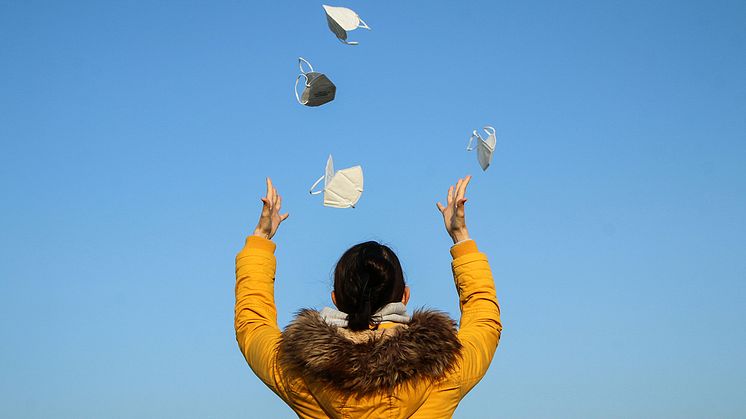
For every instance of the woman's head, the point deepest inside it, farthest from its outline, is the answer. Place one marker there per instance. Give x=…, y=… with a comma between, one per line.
x=367, y=277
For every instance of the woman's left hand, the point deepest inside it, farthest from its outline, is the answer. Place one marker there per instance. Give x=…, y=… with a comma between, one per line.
x=271, y=218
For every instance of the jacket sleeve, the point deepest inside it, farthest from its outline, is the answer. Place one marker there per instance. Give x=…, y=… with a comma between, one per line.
x=255, y=318
x=480, y=327
x=257, y=332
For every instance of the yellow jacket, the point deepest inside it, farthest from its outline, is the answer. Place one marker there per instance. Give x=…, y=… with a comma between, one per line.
x=299, y=364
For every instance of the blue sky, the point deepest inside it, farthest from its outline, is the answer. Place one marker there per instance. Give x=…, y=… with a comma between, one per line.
x=135, y=137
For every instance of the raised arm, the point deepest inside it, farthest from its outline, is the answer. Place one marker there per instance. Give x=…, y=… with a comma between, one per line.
x=255, y=319
x=480, y=325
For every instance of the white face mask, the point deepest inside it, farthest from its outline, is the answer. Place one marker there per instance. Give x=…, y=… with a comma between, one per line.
x=485, y=148
x=341, y=20
x=319, y=89
x=342, y=189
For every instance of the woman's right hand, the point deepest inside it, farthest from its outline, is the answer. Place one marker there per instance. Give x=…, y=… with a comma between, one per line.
x=270, y=218
x=453, y=211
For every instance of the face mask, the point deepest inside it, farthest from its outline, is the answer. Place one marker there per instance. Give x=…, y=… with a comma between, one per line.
x=319, y=89
x=485, y=148
x=341, y=20
x=342, y=189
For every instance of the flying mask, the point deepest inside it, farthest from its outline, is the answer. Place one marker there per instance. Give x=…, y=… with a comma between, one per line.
x=484, y=148
x=341, y=20
x=343, y=188
x=318, y=88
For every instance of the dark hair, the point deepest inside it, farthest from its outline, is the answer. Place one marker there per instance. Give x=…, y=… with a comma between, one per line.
x=367, y=277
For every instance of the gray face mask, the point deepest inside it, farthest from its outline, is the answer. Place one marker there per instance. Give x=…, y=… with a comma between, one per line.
x=318, y=88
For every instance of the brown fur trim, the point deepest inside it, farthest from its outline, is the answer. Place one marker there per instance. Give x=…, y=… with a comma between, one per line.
x=371, y=361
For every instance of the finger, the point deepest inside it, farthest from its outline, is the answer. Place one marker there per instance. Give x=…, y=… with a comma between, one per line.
x=461, y=192
x=440, y=206
x=460, y=203
x=449, y=199
x=278, y=203
x=271, y=193
x=459, y=186
x=284, y=217
x=269, y=187
x=458, y=189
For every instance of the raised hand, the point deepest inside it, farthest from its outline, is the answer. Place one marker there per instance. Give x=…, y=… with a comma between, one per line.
x=453, y=211
x=271, y=218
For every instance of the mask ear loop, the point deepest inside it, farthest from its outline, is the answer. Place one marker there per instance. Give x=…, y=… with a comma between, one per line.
x=360, y=24
x=473, y=135
x=487, y=129
x=302, y=60
x=311, y=191
x=296, y=88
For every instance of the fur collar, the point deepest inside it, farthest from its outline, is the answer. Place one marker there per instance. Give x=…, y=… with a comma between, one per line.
x=371, y=361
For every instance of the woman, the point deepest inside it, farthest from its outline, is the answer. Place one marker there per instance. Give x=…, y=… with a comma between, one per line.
x=368, y=357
